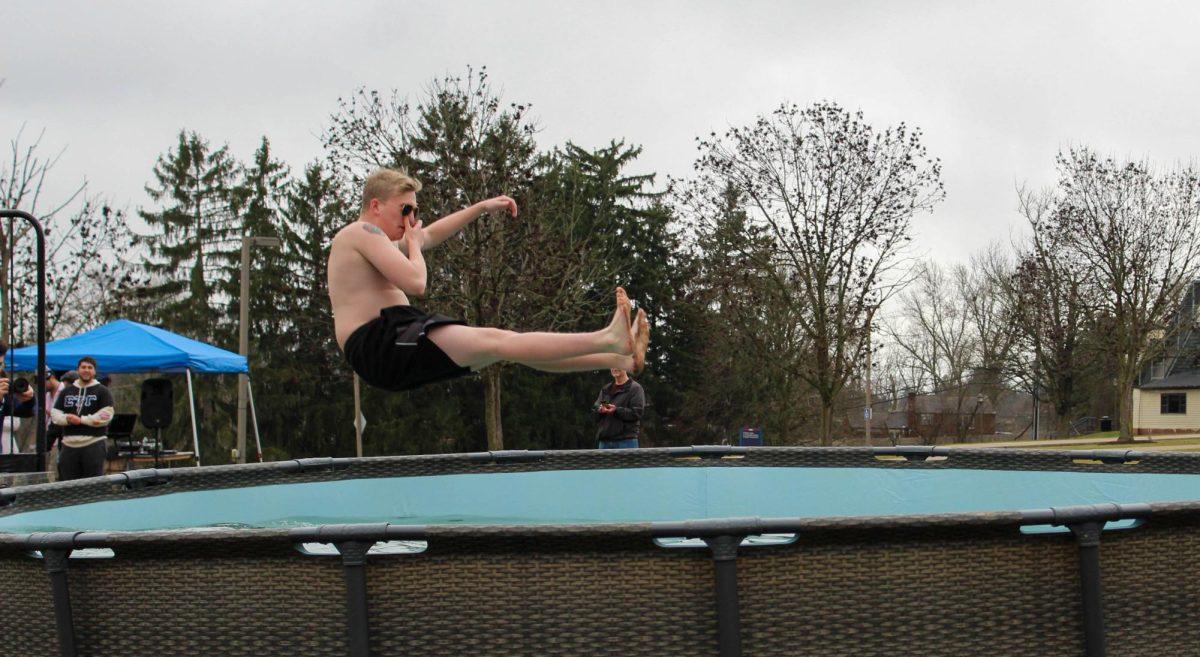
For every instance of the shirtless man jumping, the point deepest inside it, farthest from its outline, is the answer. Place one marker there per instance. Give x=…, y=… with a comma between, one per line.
x=394, y=346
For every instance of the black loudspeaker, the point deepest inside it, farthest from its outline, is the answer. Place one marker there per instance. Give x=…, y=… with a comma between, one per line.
x=158, y=401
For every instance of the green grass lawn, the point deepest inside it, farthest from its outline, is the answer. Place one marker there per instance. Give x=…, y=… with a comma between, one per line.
x=1180, y=444
x=1099, y=434
x=1183, y=445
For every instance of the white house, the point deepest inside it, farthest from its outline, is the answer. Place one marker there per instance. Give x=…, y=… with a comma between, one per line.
x=1166, y=398
x=1168, y=405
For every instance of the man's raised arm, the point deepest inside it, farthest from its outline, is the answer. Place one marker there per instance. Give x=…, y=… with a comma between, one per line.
x=440, y=230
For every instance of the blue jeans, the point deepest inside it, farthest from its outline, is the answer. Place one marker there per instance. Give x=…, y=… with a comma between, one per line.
x=628, y=443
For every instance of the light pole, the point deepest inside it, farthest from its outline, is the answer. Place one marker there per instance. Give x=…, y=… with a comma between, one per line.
x=868, y=411
x=244, y=336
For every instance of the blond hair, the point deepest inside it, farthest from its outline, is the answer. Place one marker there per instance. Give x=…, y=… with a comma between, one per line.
x=383, y=184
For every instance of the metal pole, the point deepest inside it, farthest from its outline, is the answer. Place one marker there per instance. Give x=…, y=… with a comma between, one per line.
x=868, y=411
x=39, y=376
x=254, y=417
x=244, y=338
x=357, y=414
x=1037, y=406
x=243, y=349
x=192, y=405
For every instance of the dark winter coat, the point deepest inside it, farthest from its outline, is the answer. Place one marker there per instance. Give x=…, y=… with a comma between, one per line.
x=625, y=422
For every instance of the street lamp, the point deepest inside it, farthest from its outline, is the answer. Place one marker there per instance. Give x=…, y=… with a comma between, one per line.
x=244, y=336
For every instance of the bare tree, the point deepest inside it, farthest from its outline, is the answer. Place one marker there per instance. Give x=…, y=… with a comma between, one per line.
x=85, y=241
x=1137, y=233
x=896, y=372
x=836, y=197
x=1049, y=294
x=982, y=287
x=937, y=334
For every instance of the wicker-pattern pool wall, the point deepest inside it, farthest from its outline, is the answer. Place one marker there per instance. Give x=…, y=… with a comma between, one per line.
x=951, y=584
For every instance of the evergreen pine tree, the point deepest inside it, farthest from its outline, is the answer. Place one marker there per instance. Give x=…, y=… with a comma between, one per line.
x=195, y=228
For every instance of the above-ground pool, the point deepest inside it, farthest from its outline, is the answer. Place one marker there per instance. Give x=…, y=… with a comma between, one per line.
x=688, y=551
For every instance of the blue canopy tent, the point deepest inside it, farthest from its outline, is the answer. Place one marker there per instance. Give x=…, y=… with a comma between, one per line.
x=125, y=346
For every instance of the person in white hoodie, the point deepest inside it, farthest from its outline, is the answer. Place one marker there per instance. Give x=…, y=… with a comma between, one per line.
x=84, y=410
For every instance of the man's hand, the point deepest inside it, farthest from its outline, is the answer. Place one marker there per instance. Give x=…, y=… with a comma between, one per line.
x=3, y=387
x=607, y=408
x=498, y=204
x=25, y=396
x=414, y=237
x=73, y=419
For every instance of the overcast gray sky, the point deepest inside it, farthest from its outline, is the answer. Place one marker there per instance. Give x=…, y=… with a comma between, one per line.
x=997, y=87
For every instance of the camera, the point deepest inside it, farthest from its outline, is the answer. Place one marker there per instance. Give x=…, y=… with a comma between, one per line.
x=18, y=385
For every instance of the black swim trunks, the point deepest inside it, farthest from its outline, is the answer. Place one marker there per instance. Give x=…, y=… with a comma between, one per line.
x=393, y=351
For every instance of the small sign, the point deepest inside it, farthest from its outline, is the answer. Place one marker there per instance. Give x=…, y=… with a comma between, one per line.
x=750, y=437
x=361, y=423
x=867, y=413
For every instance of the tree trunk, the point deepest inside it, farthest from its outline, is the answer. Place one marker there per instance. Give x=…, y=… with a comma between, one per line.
x=491, y=408
x=1062, y=425
x=1125, y=408
x=826, y=424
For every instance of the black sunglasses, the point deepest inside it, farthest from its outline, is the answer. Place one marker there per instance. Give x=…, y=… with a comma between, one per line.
x=408, y=209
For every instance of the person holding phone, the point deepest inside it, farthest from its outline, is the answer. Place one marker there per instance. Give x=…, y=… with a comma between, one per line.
x=618, y=411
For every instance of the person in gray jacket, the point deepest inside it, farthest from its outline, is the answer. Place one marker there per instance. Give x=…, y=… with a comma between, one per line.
x=619, y=411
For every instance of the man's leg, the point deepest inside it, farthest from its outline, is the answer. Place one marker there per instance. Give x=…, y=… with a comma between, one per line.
x=27, y=435
x=93, y=459
x=52, y=457
x=8, y=438
x=68, y=463
x=476, y=348
x=589, y=363
x=595, y=362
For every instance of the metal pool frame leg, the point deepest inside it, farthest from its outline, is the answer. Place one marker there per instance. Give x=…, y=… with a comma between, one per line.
x=729, y=622
x=1087, y=534
x=56, y=561
x=354, y=561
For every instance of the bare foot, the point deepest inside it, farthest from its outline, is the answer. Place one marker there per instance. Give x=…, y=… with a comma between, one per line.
x=641, y=340
x=619, y=330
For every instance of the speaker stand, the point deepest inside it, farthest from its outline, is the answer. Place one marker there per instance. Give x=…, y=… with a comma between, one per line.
x=158, y=448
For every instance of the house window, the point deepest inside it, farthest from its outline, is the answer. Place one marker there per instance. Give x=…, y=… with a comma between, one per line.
x=1173, y=403
x=1159, y=369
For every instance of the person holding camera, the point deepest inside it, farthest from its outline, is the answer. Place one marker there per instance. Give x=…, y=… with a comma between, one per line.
x=28, y=430
x=83, y=410
x=619, y=411
x=16, y=401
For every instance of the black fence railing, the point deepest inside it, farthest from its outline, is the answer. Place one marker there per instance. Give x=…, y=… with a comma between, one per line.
x=39, y=461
